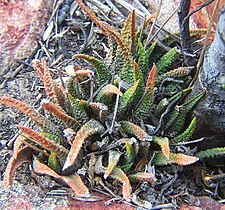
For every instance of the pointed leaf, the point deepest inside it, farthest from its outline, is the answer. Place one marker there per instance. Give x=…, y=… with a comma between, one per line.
x=138, y=75
x=177, y=116
x=181, y=159
x=120, y=176
x=149, y=51
x=126, y=101
x=143, y=177
x=126, y=71
x=143, y=110
x=60, y=113
x=164, y=144
x=187, y=134
x=142, y=58
x=175, y=73
x=55, y=138
x=51, y=89
x=19, y=157
x=44, y=142
x=150, y=84
x=135, y=130
x=128, y=31
x=103, y=73
x=119, y=40
x=27, y=110
x=94, y=110
x=211, y=153
x=78, y=113
x=73, y=181
x=166, y=60
x=113, y=159
x=53, y=162
x=106, y=93
x=130, y=153
x=89, y=128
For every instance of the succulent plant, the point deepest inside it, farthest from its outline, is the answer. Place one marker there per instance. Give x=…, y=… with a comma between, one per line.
x=110, y=121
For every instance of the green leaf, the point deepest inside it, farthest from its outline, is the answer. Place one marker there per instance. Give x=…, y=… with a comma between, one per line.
x=127, y=72
x=127, y=100
x=138, y=76
x=55, y=138
x=166, y=60
x=78, y=113
x=190, y=104
x=103, y=73
x=145, y=107
x=149, y=51
x=72, y=87
x=130, y=153
x=53, y=162
x=211, y=153
x=187, y=134
x=177, y=116
x=135, y=130
x=142, y=58
x=180, y=159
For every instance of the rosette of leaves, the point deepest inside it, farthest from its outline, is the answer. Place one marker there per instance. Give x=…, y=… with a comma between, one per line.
x=110, y=121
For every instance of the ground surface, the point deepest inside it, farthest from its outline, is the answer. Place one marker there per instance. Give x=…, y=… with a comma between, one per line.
x=30, y=191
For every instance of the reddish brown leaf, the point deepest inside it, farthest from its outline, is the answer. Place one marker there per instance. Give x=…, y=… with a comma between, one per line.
x=19, y=157
x=18, y=144
x=59, y=112
x=88, y=129
x=150, y=84
x=107, y=30
x=27, y=110
x=110, y=90
x=182, y=159
x=120, y=176
x=73, y=181
x=44, y=142
x=51, y=88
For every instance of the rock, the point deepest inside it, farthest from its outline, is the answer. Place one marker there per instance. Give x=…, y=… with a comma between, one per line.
x=211, y=110
x=21, y=26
